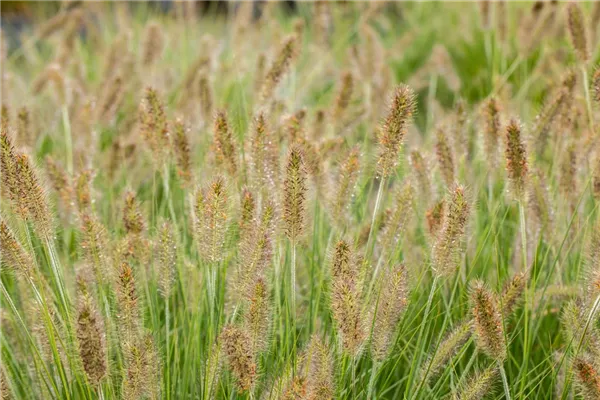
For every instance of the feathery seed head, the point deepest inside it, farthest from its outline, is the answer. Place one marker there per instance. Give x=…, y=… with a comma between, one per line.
x=492, y=126
x=14, y=256
x=435, y=217
x=133, y=220
x=94, y=245
x=247, y=210
x=83, y=196
x=577, y=31
x=397, y=220
x=487, y=322
x=153, y=43
x=258, y=316
x=264, y=156
x=587, y=377
x=516, y=158
x=447, y=350
x=237, y=345
x=181, y=149
x=212, y=215
x=479, y=386
x=59, y=181
x=294, y=194
x=344, y=95
x=444, y=157
x=596, y=83
x=346, y=181
x=279, y=67
x=390, y=306
x=392, y=132
x=446, y=249
x=154, y=127
x=320, y=377
x=421, y=172
x=224, y=145
x=90, y=338
x=24, y=126
x=167, y=258
x=511, y=295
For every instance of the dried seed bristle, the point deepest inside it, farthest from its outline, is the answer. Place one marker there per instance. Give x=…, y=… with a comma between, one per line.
x=212, y=209
x=133, y=220
x=153, y=43
x=320, y=376
x=447, y=350
x=205, y=97
x=24, y=132
x=344, y=95
x=492, y=127
x=264, y=156
x=279, y=67
x=257, y=319
x=421, y=172
x=435, y=217
x=94, y=246
x=398, y=220
x=83, y=196
x=154, y=127
x=511, y=295
x=59, y=181
x=167, y=258
x=587, y=377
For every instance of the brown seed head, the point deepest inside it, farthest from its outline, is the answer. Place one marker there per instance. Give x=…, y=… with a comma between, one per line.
x=212, y=213
x=511, y=295
x=279, y=67
x=224, y=145
x=264, y=156
x=392, y=132
x=257, y=320
x=344, y=95
x=90, y=338
x=153, y=43
x=479, y=386
x=167, y=258
x=487, y=322
x=435, y=217
x=492, y=127
x=83, y=196
x=94, y=246
x=237, y=347
x=516, y=158
x=587, y=377
x=398, y=219
x=444, y=157
x=154, y=127
x=421, y=172
x=447, y=350
x=346, y=181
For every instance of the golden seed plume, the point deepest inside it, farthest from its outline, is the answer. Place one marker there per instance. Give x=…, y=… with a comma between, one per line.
x=444, y=157
x=447, y=350
x=236, y=345
x=167, y=258
x=133, y=220
x=390, y=307
x=346, y=179
x=182, y=151
x=421, y=172
x=479, y=386
x=538, y=201
x=205, y=97
x=447, y=247
x=320, y=377
x=112, y=96
x=587, y=378
x=551, y=111
x=90, y=338
x=516, y=159
x=224, y=144
x=346, y=302
x=142, y=377
x=127, y=299
x=279, y=67
x=491, y=129
x=391, y=135
x=154, y=127
x=153, y=43
x=212, y=216
x=577, y=31
x=14, y=256
x=247, y=211
x=294, y=194
x=487, y=322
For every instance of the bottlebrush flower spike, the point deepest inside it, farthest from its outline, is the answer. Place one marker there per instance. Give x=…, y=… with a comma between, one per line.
x=167, y=258
x=346, y=297
x=237, y=345
x=133, y=220
x=154, y=127
x=257, y=320
x=90, y=337
x=444, y=157
x=577, y=31
x=264, y=156
x=446, y=249
x=320, y=377
x=446, y=350
x=294, y=194
x=224, y=145
x=346, y=181
x=479, y=386
x=391, y=304
x=487, y=322
x=516, y=159
x=587, y=377
x=14, y=256
x=279, y=67
x=182, y=151
x=212, y=216
x=391, y=135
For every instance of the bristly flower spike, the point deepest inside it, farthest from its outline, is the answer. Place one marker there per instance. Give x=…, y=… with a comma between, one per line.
x=294, y=194
x=577, y=31
x=516, y=159
x=487, y=322
x=391, y=135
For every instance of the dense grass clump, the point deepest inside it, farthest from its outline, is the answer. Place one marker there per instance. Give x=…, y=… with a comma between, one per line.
x=328, y=200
